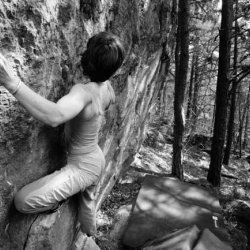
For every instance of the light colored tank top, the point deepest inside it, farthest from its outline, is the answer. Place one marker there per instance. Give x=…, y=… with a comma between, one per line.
x=84, y=134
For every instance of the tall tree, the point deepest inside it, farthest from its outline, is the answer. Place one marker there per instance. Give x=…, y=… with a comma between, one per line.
x=193, y=65
x=230, y=125
x=196, y=91
x=214, y=176
x=245, y=141
x=242, y=120
x=190, y=90
x=181, y=68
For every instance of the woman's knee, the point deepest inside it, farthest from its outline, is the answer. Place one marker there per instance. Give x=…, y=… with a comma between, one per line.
x=21, y=202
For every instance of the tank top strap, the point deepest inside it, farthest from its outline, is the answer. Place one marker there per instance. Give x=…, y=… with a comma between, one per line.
x=96, y=102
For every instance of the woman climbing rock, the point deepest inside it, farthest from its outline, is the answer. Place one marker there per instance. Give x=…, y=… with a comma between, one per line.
x=81, y=109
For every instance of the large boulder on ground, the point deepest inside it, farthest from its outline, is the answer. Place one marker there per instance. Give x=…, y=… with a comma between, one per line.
x=183, y=239
x=49, y=230
x=167, y=204
x=190, y=238
x=208, y=241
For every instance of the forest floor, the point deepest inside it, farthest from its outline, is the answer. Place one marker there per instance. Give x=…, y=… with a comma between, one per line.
x=155, y=158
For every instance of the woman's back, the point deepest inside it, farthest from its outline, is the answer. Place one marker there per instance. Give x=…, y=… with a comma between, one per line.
x=83, y=130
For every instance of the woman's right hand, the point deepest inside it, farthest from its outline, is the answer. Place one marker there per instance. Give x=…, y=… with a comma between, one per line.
x=7, y=77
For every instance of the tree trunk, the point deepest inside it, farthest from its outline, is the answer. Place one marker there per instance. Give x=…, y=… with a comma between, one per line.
x=245, y=142
x=239, y=104
x=230, y=125
x=190, y=90
x=221, y=94
x=196, y=92
x=181, y=67
x=242, y=119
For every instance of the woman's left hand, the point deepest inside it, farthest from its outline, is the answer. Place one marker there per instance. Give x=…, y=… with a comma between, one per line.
x=7, y=77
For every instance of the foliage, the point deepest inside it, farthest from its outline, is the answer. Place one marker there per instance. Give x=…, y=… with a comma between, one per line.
x=205, y=18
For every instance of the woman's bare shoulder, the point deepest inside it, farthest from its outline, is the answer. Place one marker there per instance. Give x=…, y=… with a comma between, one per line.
x=83, y=91
x=111, y=92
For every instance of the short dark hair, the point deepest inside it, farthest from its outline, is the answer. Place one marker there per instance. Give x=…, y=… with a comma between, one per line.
x=103, y=56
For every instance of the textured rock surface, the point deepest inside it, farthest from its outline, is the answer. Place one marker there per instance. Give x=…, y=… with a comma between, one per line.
x=83, y=242
x=187, y=239
x=166, y=204
x=179, y=240
x=43, y=41
x=209, y=241
x=53, y=231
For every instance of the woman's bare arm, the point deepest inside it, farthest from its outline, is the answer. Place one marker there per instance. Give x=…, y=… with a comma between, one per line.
x=50, y=113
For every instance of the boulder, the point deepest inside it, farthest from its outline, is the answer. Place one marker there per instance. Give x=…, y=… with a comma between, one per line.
x=167, y=204
x=44, y=40
x=190, y=238
x=183, y=239
x=48, y=230
x=120, y=222
x=83, y=242
x=208, y=241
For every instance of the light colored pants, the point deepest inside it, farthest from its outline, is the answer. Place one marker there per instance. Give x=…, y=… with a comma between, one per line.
x=80, y=175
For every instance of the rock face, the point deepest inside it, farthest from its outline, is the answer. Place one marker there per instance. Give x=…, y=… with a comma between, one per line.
x=44, y=40
x=46, y=230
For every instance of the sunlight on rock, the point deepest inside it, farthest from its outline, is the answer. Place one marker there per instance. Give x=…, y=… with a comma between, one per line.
x=102, y=219
x=204, y=163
